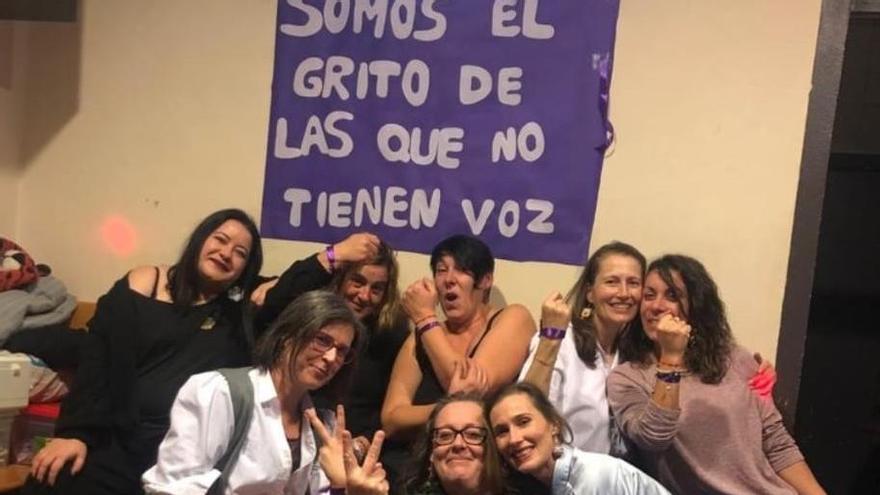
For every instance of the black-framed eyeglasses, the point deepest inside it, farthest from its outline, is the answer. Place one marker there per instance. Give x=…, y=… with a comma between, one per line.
x=472, y=435
x=322, y=343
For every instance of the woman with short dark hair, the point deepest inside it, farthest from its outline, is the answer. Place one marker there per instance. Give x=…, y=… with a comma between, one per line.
x=490, y=342
x=682, y=395
x=494, y=339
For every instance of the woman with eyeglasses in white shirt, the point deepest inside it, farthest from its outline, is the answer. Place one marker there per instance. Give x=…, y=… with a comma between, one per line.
x=290, y=447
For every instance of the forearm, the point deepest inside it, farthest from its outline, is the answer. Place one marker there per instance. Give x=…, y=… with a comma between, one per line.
x=665, y=395
x=801, y=478
x=441, y=355
x=403, y=420
x=302, y=276
x=649, y=425
x=668, y=381
x=541, y=370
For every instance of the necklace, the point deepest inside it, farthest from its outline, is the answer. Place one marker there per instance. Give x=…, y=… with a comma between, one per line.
x=208, y=323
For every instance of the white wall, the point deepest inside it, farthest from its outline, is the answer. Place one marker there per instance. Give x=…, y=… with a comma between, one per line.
x=172, y=98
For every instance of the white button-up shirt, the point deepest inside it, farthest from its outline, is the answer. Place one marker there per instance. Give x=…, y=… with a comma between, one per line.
x=578, y=393
x=201, y=426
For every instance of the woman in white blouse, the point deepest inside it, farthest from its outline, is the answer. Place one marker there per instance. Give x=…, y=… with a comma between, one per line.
x=310, y=346
x=571, y=357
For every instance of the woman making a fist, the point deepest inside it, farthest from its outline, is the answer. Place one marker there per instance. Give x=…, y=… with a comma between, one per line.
x=682, y=395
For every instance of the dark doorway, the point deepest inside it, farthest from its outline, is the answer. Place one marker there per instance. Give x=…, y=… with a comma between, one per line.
x=838, y=408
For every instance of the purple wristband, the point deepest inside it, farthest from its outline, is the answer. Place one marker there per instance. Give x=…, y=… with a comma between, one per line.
x=331, y=257
x=424, y=328
x=553, y=333
x=669, y=376
x=337, y=491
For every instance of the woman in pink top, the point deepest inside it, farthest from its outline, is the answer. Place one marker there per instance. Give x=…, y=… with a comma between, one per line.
x=682, y=395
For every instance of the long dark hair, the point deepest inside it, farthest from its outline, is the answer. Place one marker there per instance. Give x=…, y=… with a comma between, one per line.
x=183, y=276
x=389, y=314
x=708, y=352
x=421, y=471
x=300, y=321
x=585, y=328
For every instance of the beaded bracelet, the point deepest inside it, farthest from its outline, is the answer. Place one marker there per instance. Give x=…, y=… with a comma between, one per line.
x=552, y=333
x=424, y=319
x=331, y=257
x=669, y=376
x=424, y=328
x=670, y=365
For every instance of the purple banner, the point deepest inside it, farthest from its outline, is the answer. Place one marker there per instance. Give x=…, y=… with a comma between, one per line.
x=418, y=119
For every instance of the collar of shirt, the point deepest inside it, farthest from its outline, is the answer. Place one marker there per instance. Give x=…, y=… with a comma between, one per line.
x=562, y=471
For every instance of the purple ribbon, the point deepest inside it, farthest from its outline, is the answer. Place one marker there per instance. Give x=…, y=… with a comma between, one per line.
x=602, y=65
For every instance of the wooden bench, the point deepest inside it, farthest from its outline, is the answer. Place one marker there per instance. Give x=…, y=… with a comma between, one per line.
x=82, y=314
x=12, y=477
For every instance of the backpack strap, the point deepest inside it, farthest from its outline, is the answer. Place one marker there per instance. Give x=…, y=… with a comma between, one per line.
x=241, y=393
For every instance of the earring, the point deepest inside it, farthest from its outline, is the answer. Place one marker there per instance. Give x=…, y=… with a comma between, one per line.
x=586, y=313
x=557, y=450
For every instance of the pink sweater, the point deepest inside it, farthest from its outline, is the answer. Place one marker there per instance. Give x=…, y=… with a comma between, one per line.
x=723, y=439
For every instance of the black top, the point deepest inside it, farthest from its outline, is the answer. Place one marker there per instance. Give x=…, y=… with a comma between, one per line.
x=430, y=390
x=301, y=277
x=170, y=347
x=374, y=364
x=138, y=353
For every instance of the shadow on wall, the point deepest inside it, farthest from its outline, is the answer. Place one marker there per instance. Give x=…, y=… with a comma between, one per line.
x=6, y=55
x=496, y=297
x=40, y=64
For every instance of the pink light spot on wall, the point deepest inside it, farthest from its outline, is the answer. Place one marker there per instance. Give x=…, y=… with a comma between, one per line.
x=119, y=235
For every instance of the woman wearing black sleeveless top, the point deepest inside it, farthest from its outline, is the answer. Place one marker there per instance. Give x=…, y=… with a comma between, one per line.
x=484, y=345
x=155, y=328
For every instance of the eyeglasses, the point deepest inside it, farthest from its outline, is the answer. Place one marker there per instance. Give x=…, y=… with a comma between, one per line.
x=322, y=343
x=472, y=435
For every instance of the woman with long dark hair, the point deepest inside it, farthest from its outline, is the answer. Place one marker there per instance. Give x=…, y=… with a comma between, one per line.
x=682, y=394
x=156, y=327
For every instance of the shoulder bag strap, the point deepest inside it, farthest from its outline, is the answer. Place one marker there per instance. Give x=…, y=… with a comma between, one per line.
x=241, y=393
